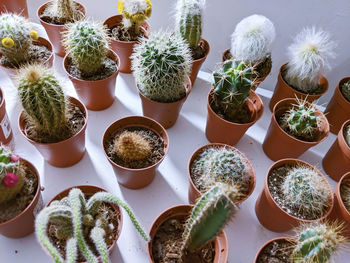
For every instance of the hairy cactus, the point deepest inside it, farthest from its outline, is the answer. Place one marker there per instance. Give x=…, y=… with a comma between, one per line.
x=63, y=11
x=161, y=65
x=308, y=58
x=131, y=146
x=16, y=37
x=304, y=189
x=345, y=89
x=74, y=218
x=86, y=42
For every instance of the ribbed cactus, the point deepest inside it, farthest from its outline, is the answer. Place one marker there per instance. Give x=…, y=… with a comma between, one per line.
x=305, y=190
x=63, y=11
x=86, y=42
x=74, y=219
x=161, y=65
x=131, y=146
x=317, y=243
x=16, y=36
x=345, y=89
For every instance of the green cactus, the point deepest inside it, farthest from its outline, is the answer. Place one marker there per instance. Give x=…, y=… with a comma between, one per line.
x=86, y=42
x=345, y=89
x=73, y=219
x=63, y=11
x=161, y=64
x=345, y=193
x=347, y=134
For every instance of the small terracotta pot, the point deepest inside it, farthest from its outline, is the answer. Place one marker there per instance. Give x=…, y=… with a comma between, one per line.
x=23, y=224
x=88, y=191
x=12, y=72
x=269, y=213
x=257, y=80
x=337, y=160
x=219, y=130
x=95, y=94
x=196, y=64
x=194, y=193
x=278, y=144
x=181, y=211
x=14, y=6
x=283, y=90
x=5, y=127
x=164, y=113
x=54, y=31
x=135, y=178
x=65, y=153
x=288, y=239
x=338, y=109
x=124, y=49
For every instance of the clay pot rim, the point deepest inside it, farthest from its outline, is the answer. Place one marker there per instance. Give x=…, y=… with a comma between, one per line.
x=2, y=101
x=165, y=139
x=82, y=130
x=288, y=239
x=222, y=145
x=38, y=190
x=293, y=161
x=111, y=53
x=337, y=192
x=341, y=137
x=313, y=143
x=206, y=44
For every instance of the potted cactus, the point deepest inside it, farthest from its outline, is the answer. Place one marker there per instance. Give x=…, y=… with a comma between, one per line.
x=232, y=104
x=5, y=127
x=189, y=26
x=14, y=6
x=297, y=125
x=54, y=15
x=251, y=42
x=161, y=65
x=294, y=192
x=82, y=224
x=135, y=146
x=302, y=76
x=222, y=163
x=53, y=122
x=20, y=44
x=20, y=195
x=186, y=232
x=312, y=243
x=126, y=29
x=336, y=162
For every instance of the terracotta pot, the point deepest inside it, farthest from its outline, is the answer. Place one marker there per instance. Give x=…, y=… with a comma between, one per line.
x=283, y=90
x=124, y=49
x=95, y=94
x=88, y=191
x=338, y=109
x=257, y=80
x=222, y=131
x=269, y=213
x=23, y=224
x=65, y=153
x=5, y=127
x=337, y=160
x=194, y=193
x=278, y=144
x=164, y=113
x=12, y=72
x=181, y=211
x=279, y=239
x=54, y=31
x=135, y=178
x=14, y=6
x=196, y=64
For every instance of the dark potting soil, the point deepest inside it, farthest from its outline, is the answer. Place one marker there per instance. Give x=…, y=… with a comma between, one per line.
x=198, y=52
x=120, y=33
x=155, y=141
x=345, y=193
x=14, y=207
x=48, y=18
x=277, y=252
x=167, y=244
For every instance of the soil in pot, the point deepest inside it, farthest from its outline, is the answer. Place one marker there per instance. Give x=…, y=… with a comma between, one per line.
x=120, y=33
x=199, y=52
x=49, y=16
x=278, y=251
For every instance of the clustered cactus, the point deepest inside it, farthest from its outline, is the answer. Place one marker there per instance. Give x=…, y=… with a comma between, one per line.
x=308, y=58
x=16, y=37
x=161, y=64
x=345, y=89
x=74, y=219
x=63, y=11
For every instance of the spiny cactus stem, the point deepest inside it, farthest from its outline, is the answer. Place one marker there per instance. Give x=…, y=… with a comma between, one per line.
x=97, y=235
x=71, y=250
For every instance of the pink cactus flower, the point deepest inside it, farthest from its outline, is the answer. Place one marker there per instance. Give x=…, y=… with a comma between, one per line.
x=10, y=180
x=14, y=158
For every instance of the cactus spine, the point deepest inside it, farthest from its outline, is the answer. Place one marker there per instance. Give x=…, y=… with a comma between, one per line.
x=345, y=89
x=63, y=11
x=131, y=146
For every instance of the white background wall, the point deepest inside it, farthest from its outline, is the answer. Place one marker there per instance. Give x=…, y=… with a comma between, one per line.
x=221, y=16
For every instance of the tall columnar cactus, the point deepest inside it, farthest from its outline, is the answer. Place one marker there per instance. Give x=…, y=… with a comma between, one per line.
x=309, y=56
x=86, y=42
x=43, y=101
x=16, y=36
x=304, y=189
x=131, y=146
x=63, y=11
x=161, y=65
x=73, y=217
x=345, y=89
x=317, y=243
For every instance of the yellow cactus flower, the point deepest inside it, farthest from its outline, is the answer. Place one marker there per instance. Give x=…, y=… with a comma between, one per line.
x=8, y=42
x=120, y=6
x=138, y=18
x=34, y=35
x=148, y=11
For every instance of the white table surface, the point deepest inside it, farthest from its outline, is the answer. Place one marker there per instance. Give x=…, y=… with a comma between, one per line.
x=170, y=186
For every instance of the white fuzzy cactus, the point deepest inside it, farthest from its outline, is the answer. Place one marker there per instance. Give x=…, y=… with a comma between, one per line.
x=63, y=11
